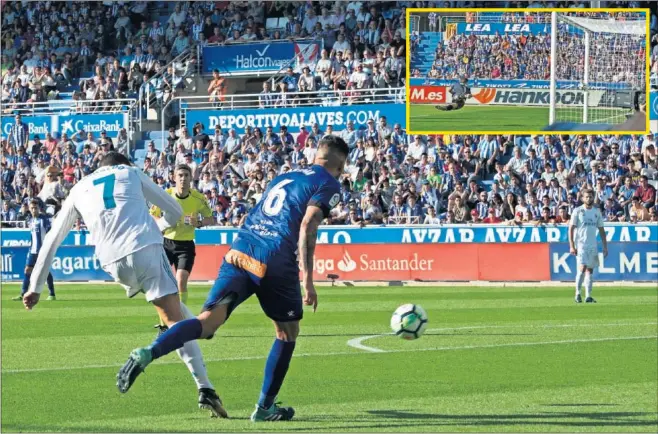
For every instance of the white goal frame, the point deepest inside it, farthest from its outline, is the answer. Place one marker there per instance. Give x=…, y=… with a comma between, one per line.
x=588, y=26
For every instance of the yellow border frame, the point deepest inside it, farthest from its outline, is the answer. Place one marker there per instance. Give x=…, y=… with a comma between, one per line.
x=647, y=50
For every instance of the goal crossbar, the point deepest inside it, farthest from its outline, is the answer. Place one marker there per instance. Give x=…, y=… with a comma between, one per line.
x=636, y=27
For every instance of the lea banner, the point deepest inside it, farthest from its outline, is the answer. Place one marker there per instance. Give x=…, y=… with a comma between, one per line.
x=69, y=124
x=653, y=106
x=293, y=117
x=427, y=94
x=269, y=57
x=502, y=28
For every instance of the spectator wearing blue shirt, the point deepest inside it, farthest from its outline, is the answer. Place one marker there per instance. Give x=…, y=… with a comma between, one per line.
x=19, y=133
x=487, y=152
x=350, y=135
x=413, y=210
x=8, y=214
x=399, y=137
x=285, y=138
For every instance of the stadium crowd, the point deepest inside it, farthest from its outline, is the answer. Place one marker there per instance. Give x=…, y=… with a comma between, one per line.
x=614, y=58
x=391, y=178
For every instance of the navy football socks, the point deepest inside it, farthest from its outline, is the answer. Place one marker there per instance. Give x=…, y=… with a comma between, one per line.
x=26, y=283
x=275, y=371
x=175, y=337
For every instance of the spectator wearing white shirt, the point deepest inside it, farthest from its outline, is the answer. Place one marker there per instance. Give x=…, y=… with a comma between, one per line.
x=341, y=44
x=309, y=20
x=328, y=21
x=417, y=147
x=249, y=35
x=324, y=64
x=178, y=17
x=185, y=139
x=310, y=149
x=359, y=78
x=431, y=218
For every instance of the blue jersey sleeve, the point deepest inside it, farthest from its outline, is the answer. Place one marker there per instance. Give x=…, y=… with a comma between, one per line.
x=326, y=197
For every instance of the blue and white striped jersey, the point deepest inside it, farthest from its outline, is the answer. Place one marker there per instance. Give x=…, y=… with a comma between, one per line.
x=39, y=227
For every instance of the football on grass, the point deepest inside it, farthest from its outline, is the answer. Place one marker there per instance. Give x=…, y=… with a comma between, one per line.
x=409, y=321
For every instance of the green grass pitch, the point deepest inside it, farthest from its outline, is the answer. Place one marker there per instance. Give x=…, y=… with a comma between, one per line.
x=493, y=359
x=424, y=117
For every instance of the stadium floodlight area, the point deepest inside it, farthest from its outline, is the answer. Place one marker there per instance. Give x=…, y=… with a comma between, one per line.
x=606, y=57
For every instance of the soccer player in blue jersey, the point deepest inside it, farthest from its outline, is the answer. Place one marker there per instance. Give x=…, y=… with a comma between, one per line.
x=263, y=261
x=39, y=226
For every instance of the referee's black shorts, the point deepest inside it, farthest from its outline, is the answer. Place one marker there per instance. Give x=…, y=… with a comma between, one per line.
x=181, y=254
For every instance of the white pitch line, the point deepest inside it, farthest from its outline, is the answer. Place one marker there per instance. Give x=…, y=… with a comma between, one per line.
x=346, y=353
x=357, y=342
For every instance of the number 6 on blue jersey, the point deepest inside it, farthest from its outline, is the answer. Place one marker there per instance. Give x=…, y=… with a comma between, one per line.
x=108, y=190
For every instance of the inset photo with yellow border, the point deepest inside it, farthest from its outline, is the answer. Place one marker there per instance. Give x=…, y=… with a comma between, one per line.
x=527, y=71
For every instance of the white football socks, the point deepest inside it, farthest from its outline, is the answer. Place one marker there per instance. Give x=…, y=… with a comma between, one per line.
x=580, y=276
x=190, y=354
x=588, y=285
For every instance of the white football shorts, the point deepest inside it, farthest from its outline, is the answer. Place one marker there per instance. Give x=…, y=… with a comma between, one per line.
x=588, y=257
x=146, y=270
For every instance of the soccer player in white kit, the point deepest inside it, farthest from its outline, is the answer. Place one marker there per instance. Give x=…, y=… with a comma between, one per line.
x=585, y=222
x=112, y=201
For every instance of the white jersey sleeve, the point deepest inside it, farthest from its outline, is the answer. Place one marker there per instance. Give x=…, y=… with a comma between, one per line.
x=61, y=226
x=171, y=209
x=112, y=202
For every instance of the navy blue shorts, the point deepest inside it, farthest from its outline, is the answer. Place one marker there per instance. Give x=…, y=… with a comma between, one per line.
x=245, y=272
x=31, y=260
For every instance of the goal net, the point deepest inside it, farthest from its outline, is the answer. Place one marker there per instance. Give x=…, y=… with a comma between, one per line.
x=598, y=67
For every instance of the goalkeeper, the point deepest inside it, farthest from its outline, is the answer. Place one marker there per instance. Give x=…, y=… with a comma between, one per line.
x=460, y=93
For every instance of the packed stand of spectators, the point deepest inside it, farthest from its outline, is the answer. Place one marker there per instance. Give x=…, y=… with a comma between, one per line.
x=364, y=48
x=395, y=179
x=505, y=57
x=390, y=178
x=614, y=58
x=49, y=45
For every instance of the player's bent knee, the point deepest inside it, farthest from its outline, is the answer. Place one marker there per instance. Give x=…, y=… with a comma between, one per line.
x=169, y=309
x=211, y=320
x=287, y=331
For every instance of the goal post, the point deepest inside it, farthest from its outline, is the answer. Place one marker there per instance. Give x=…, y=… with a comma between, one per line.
x=602, y=59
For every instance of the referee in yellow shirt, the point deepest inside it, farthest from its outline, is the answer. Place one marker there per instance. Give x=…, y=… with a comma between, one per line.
x=179, y=240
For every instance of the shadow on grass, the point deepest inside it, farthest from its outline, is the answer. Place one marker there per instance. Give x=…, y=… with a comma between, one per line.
x=387, y=419
x=408, y=420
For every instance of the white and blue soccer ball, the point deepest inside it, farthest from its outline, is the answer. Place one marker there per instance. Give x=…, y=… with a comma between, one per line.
x=409, y=321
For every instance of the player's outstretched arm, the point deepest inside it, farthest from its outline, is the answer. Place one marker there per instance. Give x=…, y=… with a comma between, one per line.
x=63, y=223
x=158, y=197
x=308, y=235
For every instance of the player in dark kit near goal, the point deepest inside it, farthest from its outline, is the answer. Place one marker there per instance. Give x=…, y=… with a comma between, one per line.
x=460, y=93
